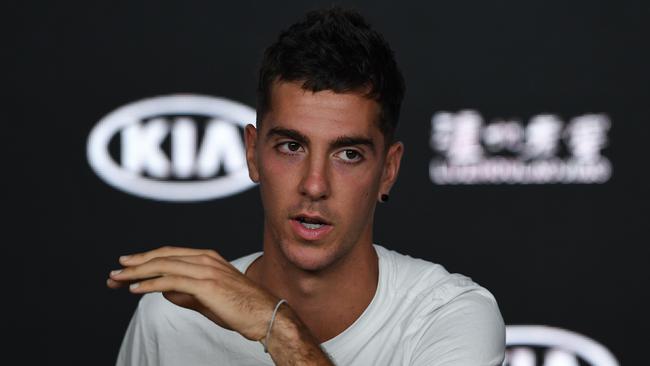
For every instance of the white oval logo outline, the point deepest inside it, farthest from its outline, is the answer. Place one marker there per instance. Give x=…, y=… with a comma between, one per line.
x=107, y=169
x=545, y=336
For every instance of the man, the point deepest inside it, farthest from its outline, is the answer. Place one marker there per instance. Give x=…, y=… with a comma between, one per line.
x=320, y=293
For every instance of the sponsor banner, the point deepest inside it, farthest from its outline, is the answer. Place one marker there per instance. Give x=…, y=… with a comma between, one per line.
x=178, y=148
x=545, y=151
x=540, y=345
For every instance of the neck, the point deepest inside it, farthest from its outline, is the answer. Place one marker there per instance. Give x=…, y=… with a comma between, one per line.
x=328, y=300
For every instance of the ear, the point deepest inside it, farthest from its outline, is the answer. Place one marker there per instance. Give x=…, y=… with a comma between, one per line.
x=250, y=137
x=391, y=167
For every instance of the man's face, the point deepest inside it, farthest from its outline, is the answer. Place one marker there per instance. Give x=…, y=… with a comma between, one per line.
x=321, y=163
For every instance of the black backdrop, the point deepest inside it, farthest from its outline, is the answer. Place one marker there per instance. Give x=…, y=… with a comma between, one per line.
x=571, y=256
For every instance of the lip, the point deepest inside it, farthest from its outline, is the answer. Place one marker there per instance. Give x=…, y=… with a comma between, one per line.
x=311, y=217
x=310, y=234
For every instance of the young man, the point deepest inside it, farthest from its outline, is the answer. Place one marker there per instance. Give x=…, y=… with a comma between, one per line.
x=320, y=293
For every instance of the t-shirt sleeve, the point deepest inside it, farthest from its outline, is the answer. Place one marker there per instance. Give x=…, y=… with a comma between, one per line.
x=138, y=345
x=467, y=331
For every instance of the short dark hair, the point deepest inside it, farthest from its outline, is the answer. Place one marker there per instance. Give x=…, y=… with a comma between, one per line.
x=335, y=49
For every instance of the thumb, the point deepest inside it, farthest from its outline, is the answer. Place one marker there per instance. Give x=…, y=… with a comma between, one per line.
x=181, y=299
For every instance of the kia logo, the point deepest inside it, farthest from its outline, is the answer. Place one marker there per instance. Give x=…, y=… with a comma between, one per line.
x=557, y=347
x=178, y=148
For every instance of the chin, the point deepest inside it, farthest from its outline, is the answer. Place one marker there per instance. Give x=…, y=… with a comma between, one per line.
x=310, y=256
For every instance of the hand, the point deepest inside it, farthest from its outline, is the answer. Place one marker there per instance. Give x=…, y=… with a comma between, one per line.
x=203, y=281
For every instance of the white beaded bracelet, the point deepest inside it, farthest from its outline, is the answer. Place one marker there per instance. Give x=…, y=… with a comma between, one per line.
x=268, y=332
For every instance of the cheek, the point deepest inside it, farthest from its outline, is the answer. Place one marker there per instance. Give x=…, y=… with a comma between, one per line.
x=275, y=164
x=359, y=186
x=277, y=177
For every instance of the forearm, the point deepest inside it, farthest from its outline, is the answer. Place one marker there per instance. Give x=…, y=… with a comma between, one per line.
x=291, y=343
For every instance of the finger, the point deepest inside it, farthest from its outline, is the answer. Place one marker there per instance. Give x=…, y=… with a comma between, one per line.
x=166, y=251
x=164, y=266
x=110, y=283
x=204, y=259
x=115, y=284
x=173, y=283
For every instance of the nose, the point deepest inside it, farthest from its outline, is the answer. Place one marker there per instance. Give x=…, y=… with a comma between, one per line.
x=315, y=182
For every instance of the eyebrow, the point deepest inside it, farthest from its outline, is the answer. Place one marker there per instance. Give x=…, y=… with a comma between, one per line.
x=352, y=141
x=339, y=142
x=289, y=133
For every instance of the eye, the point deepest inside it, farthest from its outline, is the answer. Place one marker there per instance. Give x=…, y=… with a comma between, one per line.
x=349, y=156
x=289, y=147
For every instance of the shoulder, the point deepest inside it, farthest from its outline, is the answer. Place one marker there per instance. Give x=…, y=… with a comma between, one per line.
x=416, y=277
x=454, y=320
x=430, y=285
x=468, y=330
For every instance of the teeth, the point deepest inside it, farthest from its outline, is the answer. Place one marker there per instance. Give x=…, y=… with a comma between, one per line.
x=311, y=226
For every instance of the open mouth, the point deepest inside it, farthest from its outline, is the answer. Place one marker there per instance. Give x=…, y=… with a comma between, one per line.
x=311, y=228
x=311, y=223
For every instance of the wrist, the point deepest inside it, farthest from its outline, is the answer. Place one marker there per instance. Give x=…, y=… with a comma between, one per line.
x=284, y=331
x=267, y=334
x=291, y=343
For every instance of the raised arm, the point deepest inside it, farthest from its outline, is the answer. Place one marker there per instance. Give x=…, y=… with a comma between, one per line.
x=203, y=281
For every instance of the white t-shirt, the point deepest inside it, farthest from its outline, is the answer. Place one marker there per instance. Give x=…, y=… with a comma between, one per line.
x=420, y=315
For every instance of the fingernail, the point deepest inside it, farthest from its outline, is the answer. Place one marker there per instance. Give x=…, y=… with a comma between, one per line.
x=125, y=257
x=115, y=272
x=133, y=286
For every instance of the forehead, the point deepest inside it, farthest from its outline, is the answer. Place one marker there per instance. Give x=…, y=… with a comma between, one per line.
x=324, y=113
